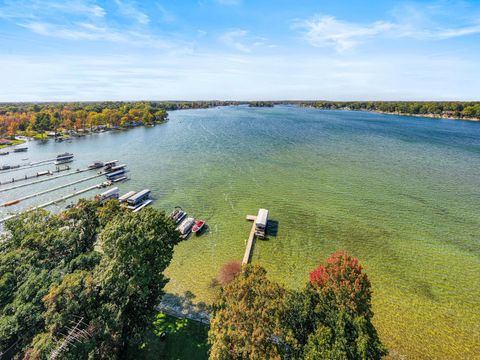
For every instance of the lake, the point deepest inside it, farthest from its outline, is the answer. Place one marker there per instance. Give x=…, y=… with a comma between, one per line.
x=402, y=194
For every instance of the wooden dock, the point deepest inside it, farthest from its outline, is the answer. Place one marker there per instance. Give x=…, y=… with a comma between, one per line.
x=250, y=242
x=8, y=203
x=52, y=202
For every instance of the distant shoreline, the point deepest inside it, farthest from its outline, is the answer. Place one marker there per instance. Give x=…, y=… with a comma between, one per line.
x=431, y=116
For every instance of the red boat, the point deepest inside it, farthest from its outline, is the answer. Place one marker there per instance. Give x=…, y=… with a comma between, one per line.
x=199, y=224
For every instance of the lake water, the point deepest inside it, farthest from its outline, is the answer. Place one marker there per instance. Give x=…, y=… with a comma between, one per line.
x=401, y=194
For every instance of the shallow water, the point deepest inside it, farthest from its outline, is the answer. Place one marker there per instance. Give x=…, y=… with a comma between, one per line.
x=401, y=194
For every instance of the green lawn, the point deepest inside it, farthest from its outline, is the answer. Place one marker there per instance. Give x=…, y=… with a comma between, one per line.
x=185, y=339
x=14, y=142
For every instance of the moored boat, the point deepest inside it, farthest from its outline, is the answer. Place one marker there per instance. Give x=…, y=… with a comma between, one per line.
x=198, y=226
x=185, y=227
x=96, y=165
x=20, y=149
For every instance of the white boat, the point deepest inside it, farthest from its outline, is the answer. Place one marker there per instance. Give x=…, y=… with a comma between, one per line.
x=186, y=226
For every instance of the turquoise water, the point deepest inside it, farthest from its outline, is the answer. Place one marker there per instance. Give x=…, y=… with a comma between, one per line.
x=401, y=194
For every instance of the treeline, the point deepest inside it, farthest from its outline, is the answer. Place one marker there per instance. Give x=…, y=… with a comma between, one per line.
x=470, y=110
x=30, y=118
x=53, y=276
x=330, y=318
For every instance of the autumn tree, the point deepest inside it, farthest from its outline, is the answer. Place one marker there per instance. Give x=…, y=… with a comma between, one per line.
x=245, y=322
x=331, y=317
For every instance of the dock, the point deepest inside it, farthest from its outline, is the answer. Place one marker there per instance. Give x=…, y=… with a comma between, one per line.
x=63, y=198
x=46, y=177
x=251, y=240
x=49, y=190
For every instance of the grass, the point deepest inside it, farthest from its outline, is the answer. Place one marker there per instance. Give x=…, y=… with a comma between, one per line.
x=185, y=339
x=14, y=142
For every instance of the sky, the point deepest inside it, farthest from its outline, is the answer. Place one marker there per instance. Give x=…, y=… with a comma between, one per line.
x=87, y=50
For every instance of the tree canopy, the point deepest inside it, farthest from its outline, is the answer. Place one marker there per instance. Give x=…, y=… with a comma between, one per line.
x=330, y=318
x=105, y=268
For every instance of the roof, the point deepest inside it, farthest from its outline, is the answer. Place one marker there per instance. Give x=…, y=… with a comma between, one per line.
x=110, y=192
x=138, y=195
x=262, y=217
x=127, y=195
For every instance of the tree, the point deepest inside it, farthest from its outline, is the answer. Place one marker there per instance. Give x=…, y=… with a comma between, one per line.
x=51, y=273
x=245, y=322
x=331, y=317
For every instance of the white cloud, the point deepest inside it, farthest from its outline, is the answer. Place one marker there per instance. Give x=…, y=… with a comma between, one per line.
x=235, y=39
x=321, y=31
x=127, y=8
x=243, y=77
x=328, y=31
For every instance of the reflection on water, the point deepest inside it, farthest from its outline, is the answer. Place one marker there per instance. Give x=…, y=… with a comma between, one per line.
x=399, y=193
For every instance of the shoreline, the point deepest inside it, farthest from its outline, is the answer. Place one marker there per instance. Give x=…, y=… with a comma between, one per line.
x=430, y=116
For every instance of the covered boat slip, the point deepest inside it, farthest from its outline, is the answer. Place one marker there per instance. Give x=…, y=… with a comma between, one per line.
x=125, y=197
x=261, y=223
x=138, y=199
x=109, y=194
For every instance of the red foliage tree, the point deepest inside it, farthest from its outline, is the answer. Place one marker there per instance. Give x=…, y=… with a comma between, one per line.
x=228, y=272
x=342, y=281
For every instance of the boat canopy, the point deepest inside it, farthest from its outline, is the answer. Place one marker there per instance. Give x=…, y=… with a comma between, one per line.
x=115, y=173
x=262, y=218
x=109, y=193
x=186, y=225
x=141, y=195
x=126, y=196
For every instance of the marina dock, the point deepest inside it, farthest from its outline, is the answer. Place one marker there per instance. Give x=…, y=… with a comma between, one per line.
x=49, y=190
x=48, y=178
x=63, y=198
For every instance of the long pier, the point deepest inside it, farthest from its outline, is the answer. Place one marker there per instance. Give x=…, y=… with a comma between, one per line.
x=49, y=190
x=63, y=198
x=250, y=242
x=46, y=178
x=22, y=167
x=37, y=175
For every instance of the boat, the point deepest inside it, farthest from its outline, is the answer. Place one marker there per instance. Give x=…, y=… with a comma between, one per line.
x=66, y=155
x=109, y=164
x=185, y=227
x=175, y=212
x=198, y=226
x=4, y=153
x=115, y=168
x=20, y=149
x=10, y=203
x=96, y=165
x=182, y=215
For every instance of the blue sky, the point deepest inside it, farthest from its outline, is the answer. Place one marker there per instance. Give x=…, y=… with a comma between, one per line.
x=239, y=49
